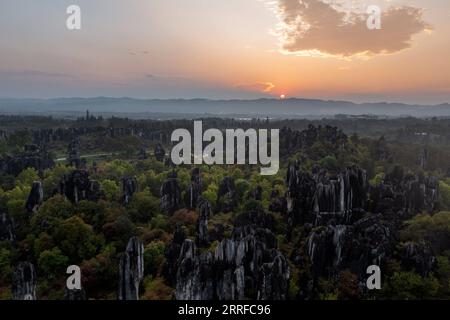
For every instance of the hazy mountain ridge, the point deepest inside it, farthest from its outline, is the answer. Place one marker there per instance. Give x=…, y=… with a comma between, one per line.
x=260, y=107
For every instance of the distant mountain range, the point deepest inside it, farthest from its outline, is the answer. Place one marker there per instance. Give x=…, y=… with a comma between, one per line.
x=288, y=108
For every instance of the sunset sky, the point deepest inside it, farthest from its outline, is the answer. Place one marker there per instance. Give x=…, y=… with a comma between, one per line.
x=226, y=49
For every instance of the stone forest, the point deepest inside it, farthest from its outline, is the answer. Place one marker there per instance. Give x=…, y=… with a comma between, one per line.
x=104, y=195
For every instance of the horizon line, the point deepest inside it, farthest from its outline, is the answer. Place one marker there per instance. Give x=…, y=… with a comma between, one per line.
x=225, y=100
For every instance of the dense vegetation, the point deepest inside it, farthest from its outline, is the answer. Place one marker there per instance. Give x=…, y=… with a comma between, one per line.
x=92, y=234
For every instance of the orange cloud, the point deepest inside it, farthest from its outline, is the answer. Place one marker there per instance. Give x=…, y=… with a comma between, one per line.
x=260, y=86
x=313, y=27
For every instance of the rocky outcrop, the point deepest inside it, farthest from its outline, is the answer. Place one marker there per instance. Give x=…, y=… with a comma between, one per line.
x=404, y=195
x=95, y=193
x=73, y=154
x=195, y=274
x=299, y=197
x=142, y=155
x=77, y=186
x=419, y=257
x=35, y=197
x=256, y=217
x=195, y=189
x=245, y=266
x=32, y=156
x=320, y=198
x=129, y=187
x=226, y=195
x=170, y=194
x=342, y=198
x=131, y=270
x=256, y=194
x=24, y=282
x=74, y=295
x=274, y=277
x=334, y=248
x=204, y=214
x=172, y=253
x=277, y=202
x=7, y=228
x=160, y=153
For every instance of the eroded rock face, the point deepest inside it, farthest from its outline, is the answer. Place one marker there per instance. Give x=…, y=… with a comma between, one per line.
x=334, y=248
x=277, y=203
x=74, y=295
x=256, y=194
x=275, y=278
x=195, y=274
x=299, y=197
x=172, y=253
x=256, y=217
x=160, y=153
x=32, y=156
x=247, y=265
x=95, y=193
x=142, y=154
x=75, y=186
x=419, y=257
x=170, y=194
x=73, y=154
x=35, y=197
x=320, y=198
x=204, y=214
x=131, y=270
x=195, y=189
x=226, y=195
x=24, y=282
x=7, y=228
x=404, y=195
x=129, y=187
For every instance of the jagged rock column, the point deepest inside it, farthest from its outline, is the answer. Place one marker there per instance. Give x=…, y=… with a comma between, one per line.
x=131, y=270
x=24, y=282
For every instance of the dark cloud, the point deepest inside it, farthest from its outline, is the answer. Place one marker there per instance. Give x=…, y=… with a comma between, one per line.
x=316, y=26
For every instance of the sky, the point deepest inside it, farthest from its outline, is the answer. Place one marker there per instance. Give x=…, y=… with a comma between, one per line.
x=227, y=49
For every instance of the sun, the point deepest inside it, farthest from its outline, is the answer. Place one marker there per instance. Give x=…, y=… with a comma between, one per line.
x=282, y=96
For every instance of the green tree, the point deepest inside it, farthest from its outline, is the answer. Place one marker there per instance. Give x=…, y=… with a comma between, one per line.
x=5, y=265
x=93, y=213
x=242, y=186
x=210, y=193
x=117, y=169
x=27, y=177
x=43, y=243
x=143, y=206
x=111, y=189
x=330, y=163
x=76, y=239
x=432, y=228
x=444, y=190
x=53, y=176
x=410, y=286
x=119, y=230
x=153, y=257
x=52, y=263
x=51, y=213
